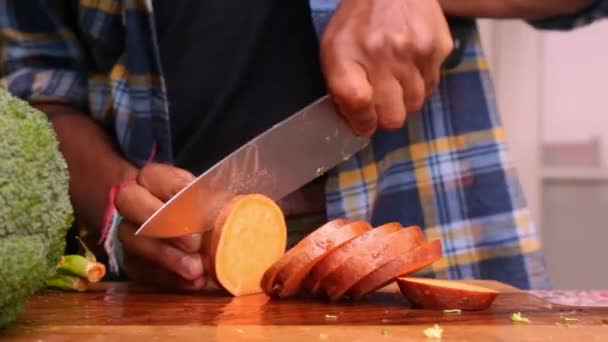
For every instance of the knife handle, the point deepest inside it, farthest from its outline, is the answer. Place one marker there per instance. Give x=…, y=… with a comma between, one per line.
x=462, y=30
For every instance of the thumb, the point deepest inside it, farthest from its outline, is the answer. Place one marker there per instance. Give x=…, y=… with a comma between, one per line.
x=163, y=181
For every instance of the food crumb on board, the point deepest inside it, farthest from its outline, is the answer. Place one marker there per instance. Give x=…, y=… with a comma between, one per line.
x=331, y=317
x=240, y=331
x=518, y=317
x=565, y=321
x=434, y=332
x=385, y=332
x=452, y=311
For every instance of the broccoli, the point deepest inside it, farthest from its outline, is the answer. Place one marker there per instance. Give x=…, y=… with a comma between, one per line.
x=35, y=208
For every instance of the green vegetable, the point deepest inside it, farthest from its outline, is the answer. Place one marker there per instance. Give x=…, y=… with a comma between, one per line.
x=79, y=266
x=67, y=282
x=517, y=317
x=434, y=332
x=35, y=209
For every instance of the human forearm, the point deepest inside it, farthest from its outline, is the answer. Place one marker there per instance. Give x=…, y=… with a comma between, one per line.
x=93, y=162
x=523, y=9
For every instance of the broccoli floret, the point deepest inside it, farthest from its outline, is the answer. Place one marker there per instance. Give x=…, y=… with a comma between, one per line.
x=35, y=208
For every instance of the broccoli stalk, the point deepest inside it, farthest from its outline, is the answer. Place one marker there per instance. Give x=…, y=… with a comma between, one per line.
x=79, y=266
x=67, y=282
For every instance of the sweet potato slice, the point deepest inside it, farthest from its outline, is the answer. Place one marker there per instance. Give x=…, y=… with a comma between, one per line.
x=365, y=260
x=445, y=294
x=406, y=263
x=289, y=279
x=319, y=235
x=333, y=260
x=249, y=235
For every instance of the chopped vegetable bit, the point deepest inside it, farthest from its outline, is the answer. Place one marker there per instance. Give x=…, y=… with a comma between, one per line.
x=323, y=336
x=567, y=319
x=331, y=317
x=435, y=332
x=67, y=282
x=517, y=317
x=452, y=311
x=385, y=332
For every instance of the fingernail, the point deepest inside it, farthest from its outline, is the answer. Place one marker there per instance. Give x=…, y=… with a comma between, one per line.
x=191, y=267
x=200, y=283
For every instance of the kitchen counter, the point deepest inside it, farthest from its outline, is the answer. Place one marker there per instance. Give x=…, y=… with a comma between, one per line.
x=124, y=311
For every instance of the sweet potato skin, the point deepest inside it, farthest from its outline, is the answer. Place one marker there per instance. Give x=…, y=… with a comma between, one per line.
x=440, y=296
x=333, y=260
x=409, y=262
x=292, y=274
x=323, y=233
x=363, y=261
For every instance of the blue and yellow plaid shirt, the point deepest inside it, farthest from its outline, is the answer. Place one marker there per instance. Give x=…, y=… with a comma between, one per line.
x=448, y=170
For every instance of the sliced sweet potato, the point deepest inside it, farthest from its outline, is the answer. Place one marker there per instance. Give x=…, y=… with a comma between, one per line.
x=406, y=263
x=334, y=259
x=445, y=294
x=365, y=260
x=290, y=277
x=249, y=235
x=318, y=236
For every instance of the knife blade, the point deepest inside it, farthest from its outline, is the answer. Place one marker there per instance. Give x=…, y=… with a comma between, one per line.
x=275, y=163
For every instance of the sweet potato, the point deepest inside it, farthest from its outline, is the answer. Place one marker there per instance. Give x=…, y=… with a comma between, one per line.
x=320, y=234
x=406, y=263
x=445, y=294
x=368, y=258
x=249, y=235
x=334, y=259
x=290, y=277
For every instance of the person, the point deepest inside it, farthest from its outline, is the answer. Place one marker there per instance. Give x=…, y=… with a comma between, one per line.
x=144, y=95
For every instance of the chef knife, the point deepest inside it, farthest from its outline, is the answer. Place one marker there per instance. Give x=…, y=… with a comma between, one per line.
x=275, y=163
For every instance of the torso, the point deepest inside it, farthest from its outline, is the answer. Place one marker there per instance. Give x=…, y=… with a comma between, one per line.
x=234, y=69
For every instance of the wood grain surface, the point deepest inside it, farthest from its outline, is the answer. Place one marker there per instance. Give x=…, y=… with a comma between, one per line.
x=124, y=311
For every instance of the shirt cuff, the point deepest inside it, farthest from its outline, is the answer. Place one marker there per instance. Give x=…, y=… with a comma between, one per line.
x=587, y=16
x=45, y=85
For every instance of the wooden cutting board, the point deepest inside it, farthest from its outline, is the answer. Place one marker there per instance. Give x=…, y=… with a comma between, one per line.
x=121, y=311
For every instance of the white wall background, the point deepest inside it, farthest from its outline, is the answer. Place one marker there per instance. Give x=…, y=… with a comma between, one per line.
x=575, y=79
x=553, y=87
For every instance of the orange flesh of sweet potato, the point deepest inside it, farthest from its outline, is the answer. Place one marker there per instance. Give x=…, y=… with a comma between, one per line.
x=333, y=260
x=409, y=262
x=365, y=260
x=290, y=276
x=322, y=233
x=249, y=235
x=445, y=294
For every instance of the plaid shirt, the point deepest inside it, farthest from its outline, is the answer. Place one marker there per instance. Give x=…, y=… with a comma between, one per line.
x=448, y=170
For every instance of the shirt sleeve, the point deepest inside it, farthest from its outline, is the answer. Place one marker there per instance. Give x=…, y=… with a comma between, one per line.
x=597, y=11
x=41, y=59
